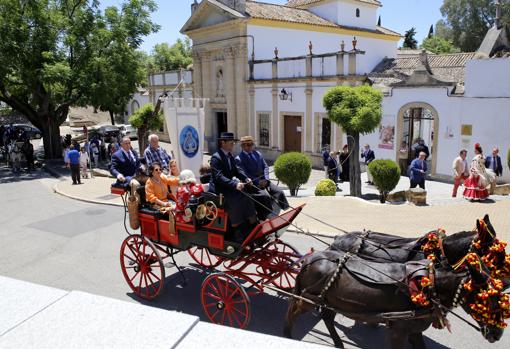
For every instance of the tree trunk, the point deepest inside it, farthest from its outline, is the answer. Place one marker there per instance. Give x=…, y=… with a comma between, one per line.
x=142, y=139
x=354, y=167
x=51, y=137
x=112, y=117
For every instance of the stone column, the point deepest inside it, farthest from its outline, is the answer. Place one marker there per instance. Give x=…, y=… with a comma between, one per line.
x=206, y=76
x=340, y=64
x=253, y=129
x=308, y=141
x=275, y=135
x=197, y=76
x=352, y=63
x=230, y=89
x=243, y=119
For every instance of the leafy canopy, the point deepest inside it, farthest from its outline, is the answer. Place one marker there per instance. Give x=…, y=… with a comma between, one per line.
x=465, y=22
x=357, y=109
x=438, y=45
x=143, y=118
x=165, y=57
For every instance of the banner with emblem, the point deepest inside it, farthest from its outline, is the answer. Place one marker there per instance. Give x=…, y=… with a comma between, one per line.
x=185, y=118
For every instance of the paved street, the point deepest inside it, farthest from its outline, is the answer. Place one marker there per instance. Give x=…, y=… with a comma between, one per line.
x=63, y=243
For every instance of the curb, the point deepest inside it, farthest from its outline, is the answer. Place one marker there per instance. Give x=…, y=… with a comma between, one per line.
x=90, y=201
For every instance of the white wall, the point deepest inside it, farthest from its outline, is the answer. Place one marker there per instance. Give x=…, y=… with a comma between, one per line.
x=293, y=42
x=489, y=117
x=344, y=13
x=488, y=78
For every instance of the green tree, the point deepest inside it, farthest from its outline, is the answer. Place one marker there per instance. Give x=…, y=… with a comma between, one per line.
x=410, y=40
x=145, y=119
x=52, y=52
x=358, y=111
x=438, y=45
x=166, y=57
x=467, y=21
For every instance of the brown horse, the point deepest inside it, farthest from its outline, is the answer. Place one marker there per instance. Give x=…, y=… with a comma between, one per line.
x=367, y=291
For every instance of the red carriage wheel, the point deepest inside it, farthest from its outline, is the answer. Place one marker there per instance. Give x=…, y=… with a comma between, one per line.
x=203, y=257
x=225, y=302
x=142, y=266
x=284, y=262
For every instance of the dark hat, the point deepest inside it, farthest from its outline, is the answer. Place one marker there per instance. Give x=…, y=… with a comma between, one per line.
x=227, y=136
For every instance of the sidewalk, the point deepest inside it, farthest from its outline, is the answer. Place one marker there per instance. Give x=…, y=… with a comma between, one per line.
x=347, y=213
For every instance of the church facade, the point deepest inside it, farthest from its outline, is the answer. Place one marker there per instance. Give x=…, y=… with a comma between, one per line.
x=265, y=68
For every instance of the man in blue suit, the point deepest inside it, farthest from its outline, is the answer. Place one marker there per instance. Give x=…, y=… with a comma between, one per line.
x=494, y=162
x=125, y=166
x=230, y=180
x=418, y=171
x=253, y=164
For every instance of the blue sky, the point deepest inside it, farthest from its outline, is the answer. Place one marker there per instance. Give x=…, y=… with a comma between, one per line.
x=398, y=15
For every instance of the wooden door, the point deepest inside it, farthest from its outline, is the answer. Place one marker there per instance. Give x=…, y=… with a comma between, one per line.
x=292, y=133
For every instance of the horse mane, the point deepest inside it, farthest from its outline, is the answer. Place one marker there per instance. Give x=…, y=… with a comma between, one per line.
x=457, y=245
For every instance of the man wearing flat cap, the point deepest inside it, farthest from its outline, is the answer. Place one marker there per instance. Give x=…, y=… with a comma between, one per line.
x=230, y=181
x=254, y=166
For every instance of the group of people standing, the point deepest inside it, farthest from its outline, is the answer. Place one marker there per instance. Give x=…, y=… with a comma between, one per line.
x=336, y=164
x=479, y=176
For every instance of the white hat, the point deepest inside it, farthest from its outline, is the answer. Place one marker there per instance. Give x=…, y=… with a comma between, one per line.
x=187, y=176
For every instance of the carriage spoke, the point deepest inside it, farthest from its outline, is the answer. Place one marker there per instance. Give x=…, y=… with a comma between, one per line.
x=138, y=272
x=229, y=316
x=214, y=296
x=157, y=277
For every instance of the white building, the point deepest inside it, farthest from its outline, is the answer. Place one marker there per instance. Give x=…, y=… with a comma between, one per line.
x=265, y=69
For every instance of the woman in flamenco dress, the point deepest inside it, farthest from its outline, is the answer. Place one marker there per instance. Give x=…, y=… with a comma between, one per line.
x=475, y=187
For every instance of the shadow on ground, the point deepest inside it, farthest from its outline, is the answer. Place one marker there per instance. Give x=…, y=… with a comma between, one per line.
x=267, y=314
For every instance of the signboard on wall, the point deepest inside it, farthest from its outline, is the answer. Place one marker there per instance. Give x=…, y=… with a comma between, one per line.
x=387, y=132
x=185, y=121
x=466, y=130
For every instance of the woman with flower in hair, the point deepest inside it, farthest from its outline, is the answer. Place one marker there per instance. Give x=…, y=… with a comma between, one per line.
x=479, y=178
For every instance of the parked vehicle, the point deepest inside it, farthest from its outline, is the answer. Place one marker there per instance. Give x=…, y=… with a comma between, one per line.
x=129, y=131
x=107, y=131
x=31, y=131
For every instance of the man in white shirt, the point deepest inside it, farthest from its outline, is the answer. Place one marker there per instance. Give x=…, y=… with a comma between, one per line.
x=460, y=171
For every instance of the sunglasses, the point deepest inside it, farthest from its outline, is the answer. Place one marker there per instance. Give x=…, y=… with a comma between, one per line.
x=156, y=170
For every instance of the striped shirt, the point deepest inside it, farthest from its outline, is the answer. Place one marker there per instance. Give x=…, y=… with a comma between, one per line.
x=156, y=155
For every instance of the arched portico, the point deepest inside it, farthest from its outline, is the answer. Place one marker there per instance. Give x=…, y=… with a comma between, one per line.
x=134, y=106
x=419, y=120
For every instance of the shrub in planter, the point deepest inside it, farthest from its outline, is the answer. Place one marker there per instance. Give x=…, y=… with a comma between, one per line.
x=386, y=174
x=325, y=187
x=293, y=169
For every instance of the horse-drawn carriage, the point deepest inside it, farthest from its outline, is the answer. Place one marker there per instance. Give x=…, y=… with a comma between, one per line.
x=407, y=284
x=246, y=268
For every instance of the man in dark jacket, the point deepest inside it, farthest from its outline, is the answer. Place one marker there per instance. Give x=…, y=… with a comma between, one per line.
x=230, y=181
x=369, y=156
x=255, y=167
x=125, y=166
x=493, y=162
x=421, y=147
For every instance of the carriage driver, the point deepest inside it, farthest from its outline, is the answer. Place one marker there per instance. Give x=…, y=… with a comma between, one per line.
x=253, y=164
x=230, y=181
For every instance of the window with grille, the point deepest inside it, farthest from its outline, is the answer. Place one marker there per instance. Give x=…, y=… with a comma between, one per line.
x=357, y=12
x=264, y=129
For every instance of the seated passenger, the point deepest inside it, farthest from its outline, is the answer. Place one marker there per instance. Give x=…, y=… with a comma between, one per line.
x=253, y=164
x=206, y=176
x=125, y=167
x=174, y=173
x=230, y=181
x=156, y=188
x=188, y=188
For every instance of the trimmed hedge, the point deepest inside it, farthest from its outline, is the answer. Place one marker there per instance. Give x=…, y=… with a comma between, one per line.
x=386, y=174
x=325, y=187
x=293, y=169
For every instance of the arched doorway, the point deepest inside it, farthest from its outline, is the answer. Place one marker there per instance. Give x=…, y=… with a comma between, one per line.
x=419, y=120
x=134, y=106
